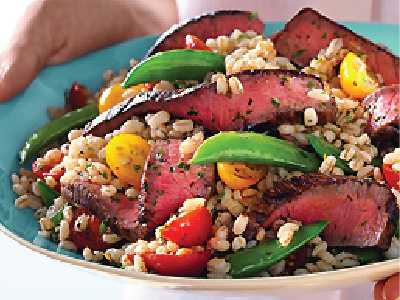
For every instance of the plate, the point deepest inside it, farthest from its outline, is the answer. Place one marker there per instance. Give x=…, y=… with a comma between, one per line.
x=24, y=114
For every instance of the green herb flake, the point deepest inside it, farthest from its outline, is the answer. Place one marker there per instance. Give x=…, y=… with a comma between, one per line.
x=349, y=119
x=201, y=175
x=159, y=154
x=239, y=116
x=324, y=35
x=160, y=192
x=310, y=84
x=171, y=169
x=253, y=15
x=137, y=167
x=275, y=102
x=377, y=118
x=349, y=197
x=241, y=36
x=319, y=26
x=248, y=112
x=229, y=94
x=114, y=198
x=88, y=166
x=105, y=175
x=298, y=53
x=192, y=112
x=364, y=223
x=103, y=227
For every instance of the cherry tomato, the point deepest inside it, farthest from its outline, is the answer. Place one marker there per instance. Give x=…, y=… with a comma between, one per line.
x=126, y=155
x=238, y=176
x=392, y=177
x=193, y=42
x=354, y=77
x=192, y=229
x=116, y=94
x=387, y=289
x=78, y=95
x=56, y=175
x=40, y=169
x=91, y=236
x=192, y=264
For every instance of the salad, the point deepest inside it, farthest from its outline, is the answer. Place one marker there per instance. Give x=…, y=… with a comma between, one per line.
x=225, y=154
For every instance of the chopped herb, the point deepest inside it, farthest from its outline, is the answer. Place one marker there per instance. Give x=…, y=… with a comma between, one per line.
x=287, y=79
x=80, y=173
x=192, y=112
x=344, y=239
x=349, y=119
x=239, y=116
x=114, y=199
x=248, y=112
x=377, y=118
x=298, y=36
x=241, y=36
x=364, y=223
x=39, y=166
x=213, y=119
x=137, y=167
x=327, y=207
x=396, y=109
x=253, y=15
x=201, y=175
x=105, y=175
x=103, y=227
x=154, y=202
x=155, y=167
x=159, y=154
x=310, y=84
x=91, y=148
x=171, y=169
x=321, y=104
x=250, y=101
x=307, y=37
x=324, y=35
x=313, y=22
x=229, y=94
x=349, y=197
x=298, y=53
x=88, y=166
x=275, y=102
x=319, y=26
x=160, y=192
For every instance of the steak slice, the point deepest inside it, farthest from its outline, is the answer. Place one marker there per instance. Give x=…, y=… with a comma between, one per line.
x=309, y=31
x=166, y=185
x=273, y=96
x=122, y=214
x=361, y=213
x=169, y=180
x=206, y=26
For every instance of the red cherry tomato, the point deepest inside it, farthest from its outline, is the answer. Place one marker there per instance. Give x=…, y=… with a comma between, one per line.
x=77, y=96
x=91, y=236
x=192, y=229
x=392, y=177
x=193, y=42
x=192, y=264
x=40, y=169
x=56, y=175
x=387, y=289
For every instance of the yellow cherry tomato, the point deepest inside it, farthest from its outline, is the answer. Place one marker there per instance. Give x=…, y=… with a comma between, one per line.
x=354, y=77
x=238, y=175
x=126, y=155
x=116, y=94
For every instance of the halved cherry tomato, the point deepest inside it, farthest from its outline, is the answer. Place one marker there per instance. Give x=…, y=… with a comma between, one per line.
x=192, y=264
x=388, y=289
x=56, y=175
x=91, y=236
x=193, y=42
x=392, y=176
x=238, y=176
x=40, y=169
x=78, y=96
x=354, y=77
x=126, y=155
x=192, y=229
x=116, y=94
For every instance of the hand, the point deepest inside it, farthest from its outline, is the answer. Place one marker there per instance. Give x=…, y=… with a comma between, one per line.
x=388, y=289
x=55, y=31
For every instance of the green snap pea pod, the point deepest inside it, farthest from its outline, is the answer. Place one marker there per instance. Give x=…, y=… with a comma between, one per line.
x=58, y=216
x=365, y=255
x=48, y=194
x=252, y=261
x=254, y=148
x=56, y=129
x=324, y=149
x=176, y=64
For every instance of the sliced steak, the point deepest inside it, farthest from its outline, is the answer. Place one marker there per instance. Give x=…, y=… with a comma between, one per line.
x=383, y=106
x=309, y=31
x=121, y=213
x=166, y=185
x=169, y=180
x=361, y=213
x=273, y=96
x=206, y=26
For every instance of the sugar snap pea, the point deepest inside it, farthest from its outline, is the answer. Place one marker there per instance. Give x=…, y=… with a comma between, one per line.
x=176, y=64
x=365, y=255
x=254, y=148
x=56, y=129
x=324, y=149
x=252, y=261
x=47, y=193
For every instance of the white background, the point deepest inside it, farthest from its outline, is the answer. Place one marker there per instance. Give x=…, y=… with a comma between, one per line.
x=25, y=274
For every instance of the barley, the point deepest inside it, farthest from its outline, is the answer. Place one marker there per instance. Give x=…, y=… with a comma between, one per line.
x=310, y=117
x=19, y=189
x=110, y=238
x=218, y=266
x=68, y=245
x=45, y=224
x=240, y=224
x=64, y=230
x=163, y=86
x=132, y=193
x=222, y=85
x=235, y=85
x=318, y=94
x=285, y=233
x=108, y=190
x=238, y=243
